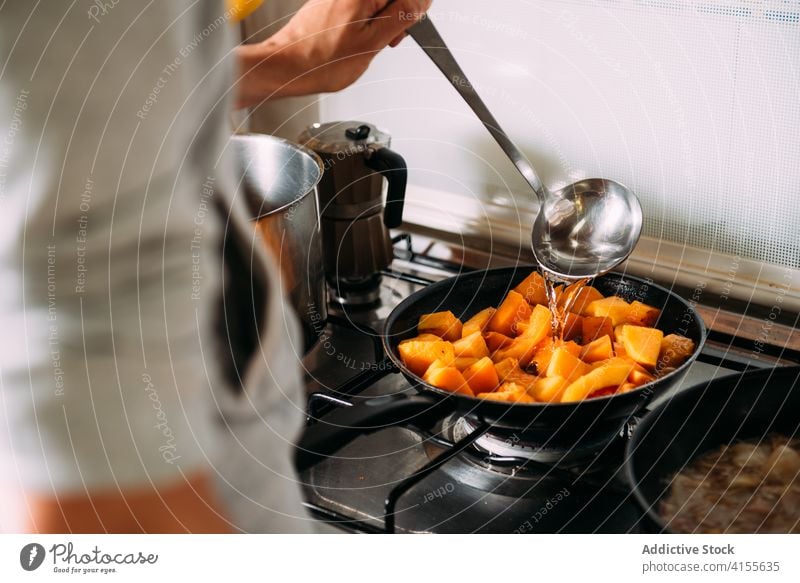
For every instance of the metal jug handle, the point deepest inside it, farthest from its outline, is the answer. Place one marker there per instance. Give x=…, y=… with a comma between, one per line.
x=391, y=165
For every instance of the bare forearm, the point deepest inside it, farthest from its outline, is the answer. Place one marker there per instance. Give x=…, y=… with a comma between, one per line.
x=325, y=47
x=269, y=70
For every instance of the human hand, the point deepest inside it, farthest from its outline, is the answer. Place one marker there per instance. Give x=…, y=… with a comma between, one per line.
x=325, y=47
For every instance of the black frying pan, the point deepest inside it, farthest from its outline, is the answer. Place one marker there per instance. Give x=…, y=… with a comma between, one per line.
x=704, y=417
x=560, y=426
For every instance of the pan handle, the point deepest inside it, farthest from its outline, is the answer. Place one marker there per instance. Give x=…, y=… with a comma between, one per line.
x=343, y=425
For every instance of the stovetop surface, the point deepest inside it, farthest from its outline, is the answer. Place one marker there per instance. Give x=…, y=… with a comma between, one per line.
x=467, y=493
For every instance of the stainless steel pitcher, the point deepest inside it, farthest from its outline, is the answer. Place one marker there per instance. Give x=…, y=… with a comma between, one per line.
x=280, y=182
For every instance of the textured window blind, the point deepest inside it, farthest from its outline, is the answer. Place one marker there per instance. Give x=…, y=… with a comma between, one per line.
x=695, y=105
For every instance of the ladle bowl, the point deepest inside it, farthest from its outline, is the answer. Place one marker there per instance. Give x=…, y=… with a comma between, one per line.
x=586, y=228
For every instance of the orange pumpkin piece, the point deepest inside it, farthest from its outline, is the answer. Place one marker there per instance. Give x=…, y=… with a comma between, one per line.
x=472, y=346
x=639, y=376
x=482, y=376
x=573, y=326
x=463, y=362
x=513, y=309
x=542, y=356
x=532, y=289
x=642, y=344
x=593, y=327
x=572, y=347
x=612, y=373
x=427, y=338
x=597, y=350
x=566, y=365
x=447, y=378
x=539, y=325
x=614, y=308
x=418, y=355
x=478, y=322
x=549, y=389
x=445, y=325
x=605, y=392
x=523, y=349
x=508, y=371
x=495, y=341
x=544, y=353
x=641, y=314
x=577, y=302
x=509, y=392
x=506, y=368
x=675, y=350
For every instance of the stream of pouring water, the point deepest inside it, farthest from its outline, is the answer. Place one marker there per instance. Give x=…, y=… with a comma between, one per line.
x=559, y=314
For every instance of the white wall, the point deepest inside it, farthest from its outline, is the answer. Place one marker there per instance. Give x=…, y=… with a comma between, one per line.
x=695, y=105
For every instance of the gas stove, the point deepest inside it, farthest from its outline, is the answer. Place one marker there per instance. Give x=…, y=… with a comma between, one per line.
x=447, y=474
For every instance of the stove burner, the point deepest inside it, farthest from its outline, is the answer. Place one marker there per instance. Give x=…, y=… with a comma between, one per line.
x=356, y=292
x=506, y=445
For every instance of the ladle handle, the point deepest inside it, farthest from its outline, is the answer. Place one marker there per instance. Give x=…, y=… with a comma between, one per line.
x=429, y=40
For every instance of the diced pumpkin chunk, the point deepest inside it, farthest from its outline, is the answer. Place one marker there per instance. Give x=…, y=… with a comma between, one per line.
x=505, y=368
x=544, y=353
x=639, y=376
x=542, y=356
x=642, y=344
x=496, y=341
x=641, y=314
x=572, y=347
x=597, y=350
x=573, y=326
x=443, y=324
x=675, y=350
x=419, y=355
x=482, y=376
x=593, y=327
x=539, y=324
x=614, y=308
x=605, y=392
x=472, y=346
x=509, y=392
x=521, y=348
x=513, y=309
x=478, y=322
x=532, y=289
x=447, y=378
x=579, y=301
x=549, y=389
x=462, y=362
x=566, y=365
x=612, y=373
x=427, y=338
x=508, y=371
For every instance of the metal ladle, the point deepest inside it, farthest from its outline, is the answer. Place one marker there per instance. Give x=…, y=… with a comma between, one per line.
x=582, y=230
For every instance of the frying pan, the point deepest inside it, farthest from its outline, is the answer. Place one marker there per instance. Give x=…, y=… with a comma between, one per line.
x=702, y=418
x=557, y=426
